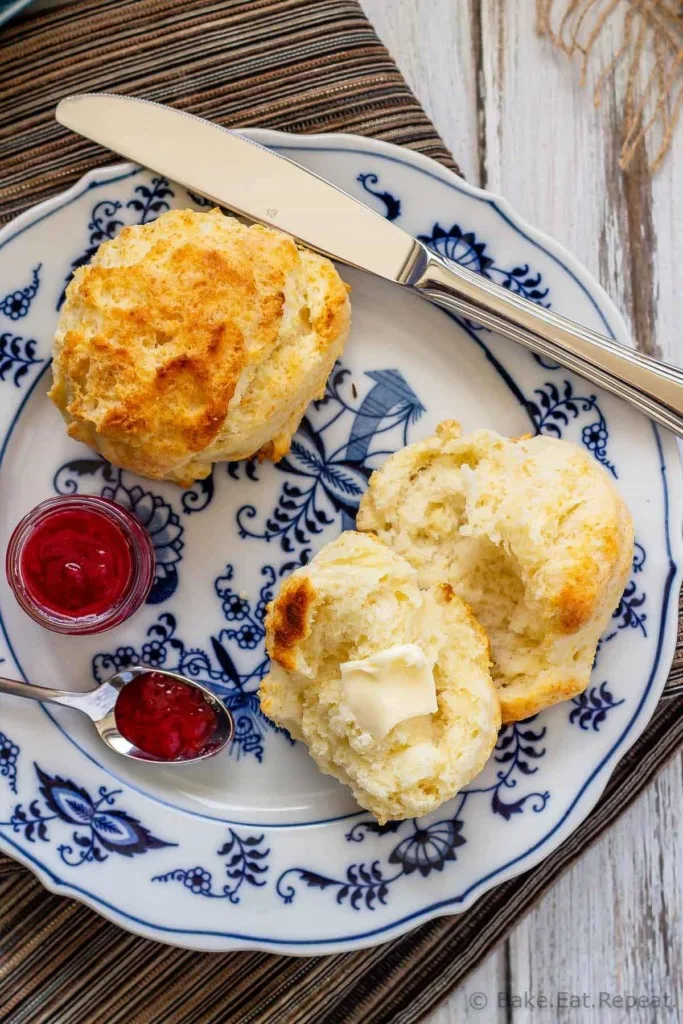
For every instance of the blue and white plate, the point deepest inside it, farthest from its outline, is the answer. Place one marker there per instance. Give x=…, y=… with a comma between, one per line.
x=256, y=848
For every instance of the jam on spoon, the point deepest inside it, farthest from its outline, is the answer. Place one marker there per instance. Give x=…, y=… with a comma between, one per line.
x=80, y=564
x=165, y=717
x=200, y=735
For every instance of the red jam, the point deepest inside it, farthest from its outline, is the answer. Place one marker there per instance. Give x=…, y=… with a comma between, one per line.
x=80, y=564
x=165, y=718
x=76, y=562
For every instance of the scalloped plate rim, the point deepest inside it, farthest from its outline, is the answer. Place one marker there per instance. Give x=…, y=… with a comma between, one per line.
x=594, y=786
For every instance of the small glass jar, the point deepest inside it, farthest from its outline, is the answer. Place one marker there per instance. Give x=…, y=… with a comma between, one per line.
x=80, y=564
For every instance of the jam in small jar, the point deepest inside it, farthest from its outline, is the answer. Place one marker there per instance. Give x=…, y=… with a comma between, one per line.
x=80, y=564
x=165, y=717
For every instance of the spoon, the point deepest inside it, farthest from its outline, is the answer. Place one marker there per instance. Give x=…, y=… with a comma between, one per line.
x=98, y=705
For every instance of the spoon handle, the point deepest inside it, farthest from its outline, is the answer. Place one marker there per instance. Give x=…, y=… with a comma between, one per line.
x=28, y=690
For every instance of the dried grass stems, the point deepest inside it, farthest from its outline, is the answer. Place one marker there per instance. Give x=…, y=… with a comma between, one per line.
x=652, y=47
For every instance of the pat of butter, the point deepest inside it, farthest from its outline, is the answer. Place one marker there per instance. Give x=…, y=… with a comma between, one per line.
x=388, y=687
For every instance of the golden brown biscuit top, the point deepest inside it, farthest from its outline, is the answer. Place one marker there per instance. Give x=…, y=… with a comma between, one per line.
x=288, y=619
x=160, y=328
x=530, y=532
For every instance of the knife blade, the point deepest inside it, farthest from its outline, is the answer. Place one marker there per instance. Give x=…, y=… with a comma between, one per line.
x=264, y=186
x=245, y=177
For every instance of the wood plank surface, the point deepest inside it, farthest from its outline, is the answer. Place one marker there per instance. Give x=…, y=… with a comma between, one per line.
x=513, y=112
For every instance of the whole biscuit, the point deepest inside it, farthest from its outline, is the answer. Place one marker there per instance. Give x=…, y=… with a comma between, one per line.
x=194, y=339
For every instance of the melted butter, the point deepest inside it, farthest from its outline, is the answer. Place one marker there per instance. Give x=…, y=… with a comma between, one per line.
x=388, y=687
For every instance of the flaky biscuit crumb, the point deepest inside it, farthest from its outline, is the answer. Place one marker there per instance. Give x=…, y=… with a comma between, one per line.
x=355, y=599
x=531, y=533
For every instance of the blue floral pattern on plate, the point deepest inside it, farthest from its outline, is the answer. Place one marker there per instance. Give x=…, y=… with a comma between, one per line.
x=17, y=356
x=246, y=863
x=225, y=543
x=365, y=885
x=330, y=483
x=99, y=827
x=9, y=753
x=16, y=304
x=592, y=707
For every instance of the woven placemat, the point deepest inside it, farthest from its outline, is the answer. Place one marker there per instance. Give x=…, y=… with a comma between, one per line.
x=302, y=66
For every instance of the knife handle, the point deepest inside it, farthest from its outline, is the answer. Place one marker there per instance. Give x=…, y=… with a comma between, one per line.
x=651, y=386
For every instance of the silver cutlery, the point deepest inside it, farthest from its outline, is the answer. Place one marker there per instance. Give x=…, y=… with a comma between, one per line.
x=98, y=705
x=263, y=186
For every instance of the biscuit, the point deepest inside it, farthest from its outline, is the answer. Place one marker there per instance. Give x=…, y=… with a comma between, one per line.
x=194, y=339
x=355, y=599
x=531, y=532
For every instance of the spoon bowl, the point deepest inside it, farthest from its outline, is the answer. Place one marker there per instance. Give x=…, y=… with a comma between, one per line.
x=99, y=705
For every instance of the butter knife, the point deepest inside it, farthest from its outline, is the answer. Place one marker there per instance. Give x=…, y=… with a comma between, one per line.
x=263, y=186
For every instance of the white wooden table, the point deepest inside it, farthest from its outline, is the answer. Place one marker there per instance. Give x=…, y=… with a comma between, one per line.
x=511, y=110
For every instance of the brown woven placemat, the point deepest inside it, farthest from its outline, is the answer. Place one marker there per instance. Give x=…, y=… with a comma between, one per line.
x=302, y=66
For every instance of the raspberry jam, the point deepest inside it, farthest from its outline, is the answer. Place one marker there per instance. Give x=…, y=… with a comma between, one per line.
x=80, y=564
x=165, y=718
